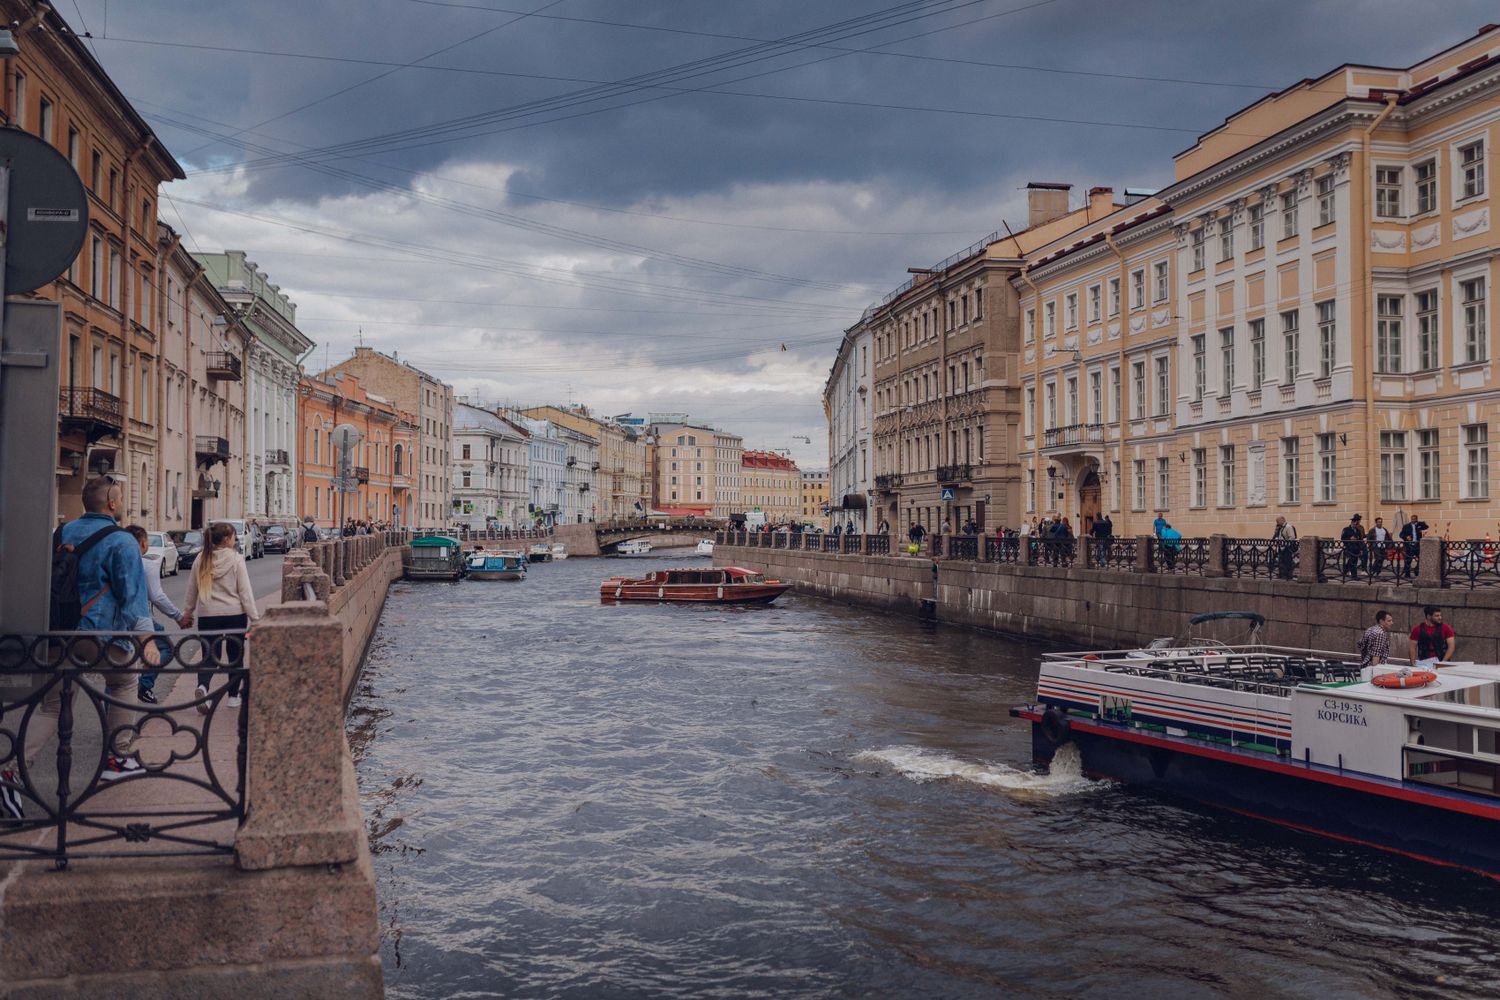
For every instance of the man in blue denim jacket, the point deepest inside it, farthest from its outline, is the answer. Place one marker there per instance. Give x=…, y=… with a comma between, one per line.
x=112, y=588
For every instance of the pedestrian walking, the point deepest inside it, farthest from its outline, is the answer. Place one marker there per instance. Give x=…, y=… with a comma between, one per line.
x=220, y=593
x=1158, y=525
x=1104, y=530
x=1411, y=538
x=97, y=585
x=146, y=683
x=885, y=527
x=1431, y=640
x=1379, y=540
x=1284, y=537
x=1353, y=537
x=914, y=535
x=1374, y=646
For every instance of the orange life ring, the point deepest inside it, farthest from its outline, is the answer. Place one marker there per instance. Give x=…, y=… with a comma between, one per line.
x=1415, y=679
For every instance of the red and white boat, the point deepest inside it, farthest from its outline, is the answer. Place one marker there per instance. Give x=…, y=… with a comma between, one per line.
x=727, y=585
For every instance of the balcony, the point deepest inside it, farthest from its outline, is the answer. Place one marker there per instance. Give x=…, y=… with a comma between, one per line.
x=955, y=473
x=223, y=365
x=885, y=484
x=572, y=462
x=583, y=487
x=1073, y=435
x=400, y=481
x=93, y=411
x=595, y=467
x=277, y=456
x=361, y=474
x=211, y=449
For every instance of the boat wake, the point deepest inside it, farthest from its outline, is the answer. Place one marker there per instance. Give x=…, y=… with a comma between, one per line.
x=1064, y=778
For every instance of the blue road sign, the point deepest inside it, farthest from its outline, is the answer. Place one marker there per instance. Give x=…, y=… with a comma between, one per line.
x=947, y=494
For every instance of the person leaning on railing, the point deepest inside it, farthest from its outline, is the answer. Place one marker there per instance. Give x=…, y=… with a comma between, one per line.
x=220, y=592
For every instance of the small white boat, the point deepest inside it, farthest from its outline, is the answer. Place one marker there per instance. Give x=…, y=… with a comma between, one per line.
x=490, y=565
x=633, y=547
x=559, y=551
x=706, y=547
x=540, y=552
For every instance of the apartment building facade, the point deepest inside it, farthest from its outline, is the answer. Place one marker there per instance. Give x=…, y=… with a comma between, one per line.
x=489, y=469
x=771, y=484
x=815, y=499
x=429, y=500
x=620, y=486
x=328, y=401
x=108, y=412
x=848, y=404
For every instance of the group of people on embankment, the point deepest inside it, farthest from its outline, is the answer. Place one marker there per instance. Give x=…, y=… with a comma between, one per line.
x=102, y=581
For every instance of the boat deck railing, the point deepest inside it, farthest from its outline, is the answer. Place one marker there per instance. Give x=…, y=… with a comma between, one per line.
x=1271, y=670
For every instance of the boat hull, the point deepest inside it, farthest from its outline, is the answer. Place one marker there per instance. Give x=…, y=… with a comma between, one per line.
x=1430, y=825
x=692, y=593
x=497, y=574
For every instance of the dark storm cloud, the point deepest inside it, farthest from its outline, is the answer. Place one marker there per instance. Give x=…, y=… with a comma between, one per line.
x=791, y=186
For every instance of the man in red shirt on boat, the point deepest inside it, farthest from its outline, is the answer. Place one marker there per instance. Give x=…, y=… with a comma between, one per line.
x=1431, y=640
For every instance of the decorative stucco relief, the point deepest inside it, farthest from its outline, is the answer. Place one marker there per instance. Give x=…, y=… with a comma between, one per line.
x=1388, y=241
x=1471, y=223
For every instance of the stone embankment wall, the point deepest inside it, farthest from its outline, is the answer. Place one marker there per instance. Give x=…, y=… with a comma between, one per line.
x=356, y=573
x=1099, y=608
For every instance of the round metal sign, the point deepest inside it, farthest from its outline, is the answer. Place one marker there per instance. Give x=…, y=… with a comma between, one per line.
x=346, y=436
x=47, y=213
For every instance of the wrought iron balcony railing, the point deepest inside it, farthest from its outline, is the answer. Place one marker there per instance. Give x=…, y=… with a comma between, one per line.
x=1073, y=434
x=277, y=456
x=224, y=365
x=94, y=409
x=955, y=473
x=361, y=474
x=211, y=449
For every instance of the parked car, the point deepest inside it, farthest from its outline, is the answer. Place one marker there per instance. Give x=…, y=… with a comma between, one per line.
x=329, y=534
x=189, y=544
x=248, y=542
x=277, y=539
x=159, y=546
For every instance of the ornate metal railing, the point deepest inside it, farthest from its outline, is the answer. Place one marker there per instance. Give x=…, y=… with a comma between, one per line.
x=1188, y=556
x=851, y=542
x=830, y=542
x=207, y=446
x=880, y=545
x=70, y=773
x=1003, y=550
x=277, y=456
x=222, y=364
x=1259, y=558
x=779, y=540
x=955, y=473
x=1470, y=563
x=963, y=547
x=887, y=483
x=1365, y=562
x=1057, y=437
x=94, y=405
x=794, y=540
x=1112, y=553
x=1054, y=551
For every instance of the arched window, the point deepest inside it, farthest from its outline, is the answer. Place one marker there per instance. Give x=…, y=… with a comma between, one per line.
x=396, y=468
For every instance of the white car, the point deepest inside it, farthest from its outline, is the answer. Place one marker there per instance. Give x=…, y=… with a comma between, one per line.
x=159, y=546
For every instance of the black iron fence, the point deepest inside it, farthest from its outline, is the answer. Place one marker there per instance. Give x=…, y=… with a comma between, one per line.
x=880, y=545
x=963, y=547
x=1365, y=562
x=68, y=764
x=1472, y=563
x=1054, y=551
x=1187, y=556
x=1003, y=550
x=1112, y=553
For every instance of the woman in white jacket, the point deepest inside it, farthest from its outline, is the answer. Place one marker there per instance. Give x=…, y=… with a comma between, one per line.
x=220, y=593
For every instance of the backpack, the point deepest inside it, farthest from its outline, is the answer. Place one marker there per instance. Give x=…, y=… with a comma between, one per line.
x=67, y=606
x=309, y=534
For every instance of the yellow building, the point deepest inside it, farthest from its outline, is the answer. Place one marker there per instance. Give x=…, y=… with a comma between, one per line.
x=1298, y=326
x=772, y=484
x=624, y=489
x=815, y=497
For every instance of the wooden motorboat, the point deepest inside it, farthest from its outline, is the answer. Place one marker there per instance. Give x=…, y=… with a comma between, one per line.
x=485, y=564
x=729, y=585
x=540, y=552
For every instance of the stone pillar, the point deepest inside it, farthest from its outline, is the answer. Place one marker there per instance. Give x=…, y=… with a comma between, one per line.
x=1028, y=550
x=301, y=811
x=340, y=568
x=1143, y=553
x=1090, y=552
x=299, y=569
x=1215, y=565
x=1430, y=562
x=1307, y=559
x=864, y=545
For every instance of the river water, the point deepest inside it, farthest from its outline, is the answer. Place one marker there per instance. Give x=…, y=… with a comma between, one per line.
x=568, y=799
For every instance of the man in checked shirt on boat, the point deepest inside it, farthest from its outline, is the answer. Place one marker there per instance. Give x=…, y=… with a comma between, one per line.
x=1374, y=644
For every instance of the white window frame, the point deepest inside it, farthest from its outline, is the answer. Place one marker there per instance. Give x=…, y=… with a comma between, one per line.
x=1138, y=288
x=1390, y=316
x=1226, y=238
x=1291, y=470
x=1469, y=181
x=1327, y=208
x=1049, y=320
x=1031, y=325
x=1226, y=360
x=1114, y=296
x=1163, y=385
x=1472, y=328
x=1289, y=214
x=1257, y=353
x=1138, y=481
x=1328, y=468
x=1393, y=467
x=1138, y=389
x=1196, y=242
x=1474, y=473
x=1389, y=182
x=1096, y=396
x=1163, y=483
x=1114, y=393
x=1257, y=226
x=1161, y=274
x=1429, y=330
x=1425, y=192
x=1328, y=337
x=1226, y=475
x=1070, y=311
x=1291, y=346
x=1199, y=343
x=1200, y=478
x=1429, y=464
x=1095, y=303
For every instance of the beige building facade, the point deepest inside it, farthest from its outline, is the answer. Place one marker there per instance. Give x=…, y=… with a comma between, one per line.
x=771, y=484
x=621, y=489
x=429, y=501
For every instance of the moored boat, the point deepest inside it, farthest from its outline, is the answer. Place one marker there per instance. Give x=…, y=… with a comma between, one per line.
x=1384, y=757
x=540, y=552
x=434, y=557
x=559, y=551
x=706, y=547
x=486, y=564
x=633, y=547
x=731, y=585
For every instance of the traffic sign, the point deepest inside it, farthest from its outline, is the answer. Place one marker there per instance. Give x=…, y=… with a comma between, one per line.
x=47, y=211
x=947, y=494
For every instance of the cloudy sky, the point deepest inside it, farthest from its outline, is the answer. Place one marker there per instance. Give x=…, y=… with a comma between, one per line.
x=675, y=205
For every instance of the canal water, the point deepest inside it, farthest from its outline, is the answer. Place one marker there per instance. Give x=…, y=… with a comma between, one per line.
x=567, y=799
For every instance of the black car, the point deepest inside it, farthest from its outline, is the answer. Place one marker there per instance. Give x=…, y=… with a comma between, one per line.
x=276, y=539
x=189, y=544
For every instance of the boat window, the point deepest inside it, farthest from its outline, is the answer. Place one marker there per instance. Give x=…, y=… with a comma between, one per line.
x=1484, y=695
x=1437, y=768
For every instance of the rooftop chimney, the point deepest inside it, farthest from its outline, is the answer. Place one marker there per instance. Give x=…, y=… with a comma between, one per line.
x=1045, y=202
x=1101, y=201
